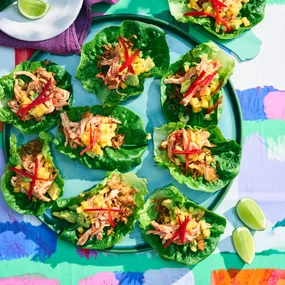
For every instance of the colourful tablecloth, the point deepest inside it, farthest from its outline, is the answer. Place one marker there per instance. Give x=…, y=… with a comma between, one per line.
x=31, y=254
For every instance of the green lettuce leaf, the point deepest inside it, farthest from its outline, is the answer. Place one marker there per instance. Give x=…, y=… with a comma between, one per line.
x=253, y=10
x=123, y=159
x=150, y=40
x=179, y=253
x=227, y=154
x=68, y=231
x=63, y=80
x=171, y=105
x=19, y=201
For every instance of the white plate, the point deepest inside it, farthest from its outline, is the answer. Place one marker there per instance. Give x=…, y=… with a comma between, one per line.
x=61, y=15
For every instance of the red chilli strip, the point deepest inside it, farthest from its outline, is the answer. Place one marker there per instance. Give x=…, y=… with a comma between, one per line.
x=38, y=98
x=103, y=209
x=219, y=4
x=125, y=47
x=129, y=61
x=215, y=106
x=126, y=53
x=216, y=8
x=218, y=88
x=32, y=184
x=192, y=151
x=33, y=104
x=195, y=83
x=113, y=225
x=183, y=229
x=173, y=238
x=205, y=82
x=95, y=139
x=23, y=173
x=91, y=134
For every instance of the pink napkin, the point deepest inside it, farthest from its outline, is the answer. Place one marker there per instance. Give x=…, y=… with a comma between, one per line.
x=68, y=42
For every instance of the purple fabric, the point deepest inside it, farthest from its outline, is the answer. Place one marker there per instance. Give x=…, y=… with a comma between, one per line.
x=68, y=42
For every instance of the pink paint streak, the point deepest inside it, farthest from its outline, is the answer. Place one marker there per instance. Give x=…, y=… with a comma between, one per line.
x=102, y=278
x=28, y=280
x=274, y=105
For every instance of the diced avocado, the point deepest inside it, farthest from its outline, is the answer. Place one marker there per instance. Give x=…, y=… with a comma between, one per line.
x=132, y=80
x=148, y=64
x=66, y=215
x=73, y=207
x=181, y=157
x=185, y=86
x=82, y=221
x=54, y=191
x=21, y=82
x=167, y=203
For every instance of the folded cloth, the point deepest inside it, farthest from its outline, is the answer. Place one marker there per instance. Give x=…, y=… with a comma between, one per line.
x=68, y=42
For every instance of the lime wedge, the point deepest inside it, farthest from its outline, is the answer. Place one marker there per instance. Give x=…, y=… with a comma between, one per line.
x=33, y=9
x=244, y=244
x=251, y=214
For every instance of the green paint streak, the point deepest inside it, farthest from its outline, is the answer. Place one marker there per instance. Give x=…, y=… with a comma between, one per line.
x=1, y=143
x=265, y=128
x=133, y=7
x=279, y=224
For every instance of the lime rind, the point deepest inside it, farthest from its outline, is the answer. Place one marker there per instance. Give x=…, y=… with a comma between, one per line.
x=33, y=9
x=244, y=244
x=251, y=214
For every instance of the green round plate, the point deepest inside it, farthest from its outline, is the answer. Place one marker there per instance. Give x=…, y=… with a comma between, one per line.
x=79, y=178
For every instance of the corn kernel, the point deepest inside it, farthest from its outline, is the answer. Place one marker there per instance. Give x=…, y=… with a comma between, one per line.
x=123, y=85
x=205, y=104
x=206, y=233
x=208, y=9
x=85, y=205
x=166, y=219
x=25, y=185
x=245, y=21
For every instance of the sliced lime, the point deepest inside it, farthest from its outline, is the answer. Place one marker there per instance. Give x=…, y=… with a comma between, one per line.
x=251, y=214
x=244, y=244
x=33, y=9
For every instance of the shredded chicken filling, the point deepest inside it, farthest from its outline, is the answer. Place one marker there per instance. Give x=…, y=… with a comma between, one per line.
x=114, y=57
x=93, y=131
x=190, y=150
x=180, y=226
x=198, y=84
x=119, y=197
x=26, y=93
x=45, y=171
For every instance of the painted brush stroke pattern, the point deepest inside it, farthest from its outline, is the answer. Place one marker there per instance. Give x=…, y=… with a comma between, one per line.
x=245, y=277
x=28, y=280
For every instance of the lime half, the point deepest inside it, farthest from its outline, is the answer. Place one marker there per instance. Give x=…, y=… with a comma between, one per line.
x=33, y=9
x=251, y=214
x=244, y=244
